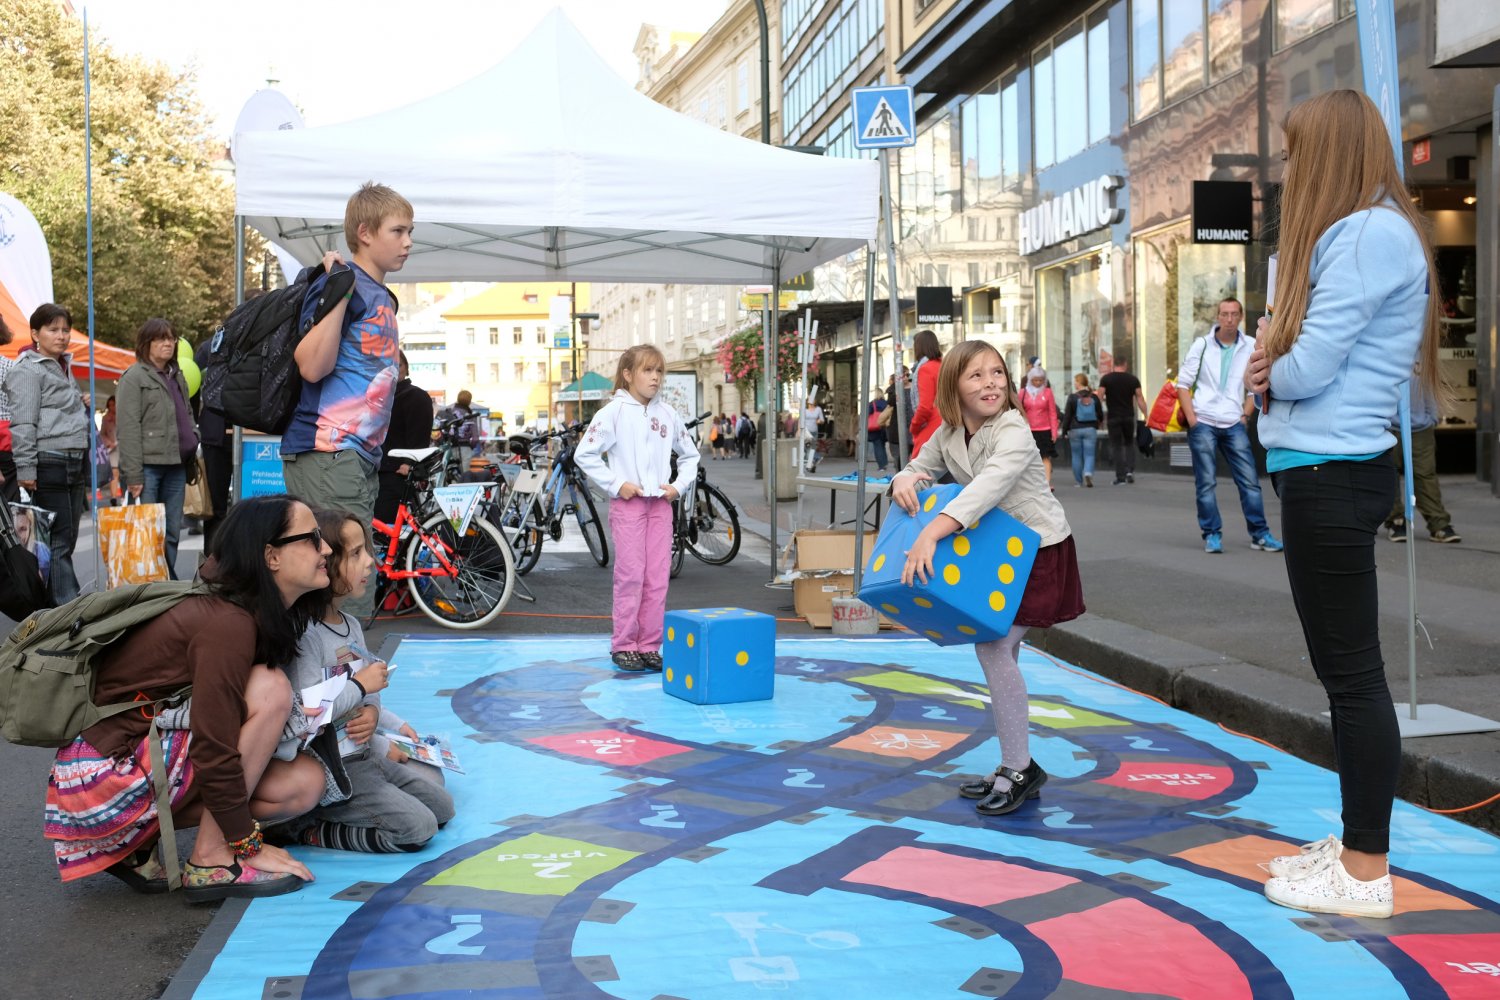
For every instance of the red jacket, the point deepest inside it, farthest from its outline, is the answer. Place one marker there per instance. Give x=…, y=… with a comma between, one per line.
x=926, y=419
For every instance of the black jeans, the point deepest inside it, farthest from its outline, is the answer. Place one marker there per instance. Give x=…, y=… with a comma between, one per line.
x=1122, y=448
x=218, y=465
x=10, y=490
x=60, y=489
x=1329, y=516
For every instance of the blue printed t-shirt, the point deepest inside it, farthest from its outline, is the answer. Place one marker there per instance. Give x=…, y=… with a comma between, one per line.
x=350, y=409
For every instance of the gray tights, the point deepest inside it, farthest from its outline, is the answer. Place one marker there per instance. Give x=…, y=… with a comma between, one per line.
x=1007, y=700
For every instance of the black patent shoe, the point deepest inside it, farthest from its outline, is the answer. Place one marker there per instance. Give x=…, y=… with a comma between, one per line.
x=629, y=660
x=1024, y=785
x=651, y=660
x=979, y=787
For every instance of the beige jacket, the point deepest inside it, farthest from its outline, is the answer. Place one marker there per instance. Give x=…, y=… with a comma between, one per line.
x=1001, y=468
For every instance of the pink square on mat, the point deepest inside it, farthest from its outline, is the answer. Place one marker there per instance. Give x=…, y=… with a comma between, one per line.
x=610, y=747
x=972, y=881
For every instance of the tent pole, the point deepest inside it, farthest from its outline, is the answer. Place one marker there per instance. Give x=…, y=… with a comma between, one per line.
x=88, y=215
x=903, y=419
x=237, y=436
x=862, y=433
x=772, y=343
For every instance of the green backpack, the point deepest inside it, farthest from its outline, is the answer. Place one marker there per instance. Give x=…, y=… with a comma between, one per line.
x=47, y=662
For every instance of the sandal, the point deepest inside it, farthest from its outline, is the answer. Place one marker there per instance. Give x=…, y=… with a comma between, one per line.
x=628, y=660
x=206, y=883
x=142, y=872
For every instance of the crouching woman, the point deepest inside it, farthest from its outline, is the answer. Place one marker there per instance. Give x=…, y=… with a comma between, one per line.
x=230, y=645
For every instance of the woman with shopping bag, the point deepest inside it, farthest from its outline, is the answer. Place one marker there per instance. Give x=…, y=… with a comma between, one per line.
x=158, y=438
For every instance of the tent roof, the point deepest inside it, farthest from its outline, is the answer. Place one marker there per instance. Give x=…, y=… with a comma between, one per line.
x=592, y=382
x=550, y=167
x=109, y=361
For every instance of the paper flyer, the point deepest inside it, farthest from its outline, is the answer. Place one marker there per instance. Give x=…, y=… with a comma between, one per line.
x=459, y=502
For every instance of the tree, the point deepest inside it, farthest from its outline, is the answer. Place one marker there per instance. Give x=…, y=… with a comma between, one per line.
x=163, y=216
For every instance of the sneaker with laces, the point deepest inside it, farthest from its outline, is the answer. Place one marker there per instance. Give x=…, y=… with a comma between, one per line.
x=1308, y=856
x=627, y=659
x=1396, y=530
x=1444, y=535
x=652, y=661
x=1326, y=887
x=1266, y=543
x=1213, y=542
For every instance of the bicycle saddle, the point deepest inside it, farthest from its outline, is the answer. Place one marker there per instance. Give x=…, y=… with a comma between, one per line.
x=413, y=454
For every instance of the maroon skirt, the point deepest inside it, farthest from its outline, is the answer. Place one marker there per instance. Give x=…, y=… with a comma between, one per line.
x=1054, y=591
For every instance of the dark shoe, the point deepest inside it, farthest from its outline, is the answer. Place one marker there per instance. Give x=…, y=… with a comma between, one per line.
x=1088, y=481
x=206, y=883
x=1396, y=530
x=1024, y=785
x=1130, y=477
x=628, y=660
x=1444, y=535
x=978, y=788
x=651, y=660
x=142, y=872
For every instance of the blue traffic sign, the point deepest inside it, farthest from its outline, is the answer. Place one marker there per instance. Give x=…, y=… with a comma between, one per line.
x=883, y=118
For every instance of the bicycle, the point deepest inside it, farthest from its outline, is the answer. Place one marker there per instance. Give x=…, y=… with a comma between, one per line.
x=526, y=517
x=460, y=581
x=704, y=521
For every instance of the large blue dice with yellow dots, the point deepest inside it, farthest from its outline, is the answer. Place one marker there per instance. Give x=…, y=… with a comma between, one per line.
x=713, y=656
x=979, y=576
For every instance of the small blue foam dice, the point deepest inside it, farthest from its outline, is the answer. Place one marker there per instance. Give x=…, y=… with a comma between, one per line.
x=713, y=656
x=979, y=576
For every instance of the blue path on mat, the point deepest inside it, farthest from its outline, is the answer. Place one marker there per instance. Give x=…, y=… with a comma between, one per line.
x=613, y=841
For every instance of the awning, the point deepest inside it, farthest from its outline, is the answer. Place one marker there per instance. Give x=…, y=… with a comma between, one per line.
x=592, y=386
x=109, y=361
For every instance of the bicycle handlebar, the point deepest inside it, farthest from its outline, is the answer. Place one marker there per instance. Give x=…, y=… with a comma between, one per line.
x=698, y=419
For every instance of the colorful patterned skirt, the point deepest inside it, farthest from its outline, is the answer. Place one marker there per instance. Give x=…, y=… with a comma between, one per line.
x=100, y=810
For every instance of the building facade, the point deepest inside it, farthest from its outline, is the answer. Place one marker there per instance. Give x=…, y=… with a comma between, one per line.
x=1052, y=184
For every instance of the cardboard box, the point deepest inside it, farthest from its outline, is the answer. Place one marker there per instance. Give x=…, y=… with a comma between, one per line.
x=825, y=570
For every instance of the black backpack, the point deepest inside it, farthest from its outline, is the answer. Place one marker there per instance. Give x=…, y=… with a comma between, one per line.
x=251, y=376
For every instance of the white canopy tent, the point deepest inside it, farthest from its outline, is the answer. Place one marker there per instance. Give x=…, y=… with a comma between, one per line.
x=550, y=167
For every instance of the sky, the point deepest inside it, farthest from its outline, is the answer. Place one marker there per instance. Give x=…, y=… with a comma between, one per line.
x=339, y=61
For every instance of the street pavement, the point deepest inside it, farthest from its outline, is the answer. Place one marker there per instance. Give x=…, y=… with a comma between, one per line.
x=1216, y=635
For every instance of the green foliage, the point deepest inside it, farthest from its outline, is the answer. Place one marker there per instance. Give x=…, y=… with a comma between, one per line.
x=163, y=216
x=742, y=356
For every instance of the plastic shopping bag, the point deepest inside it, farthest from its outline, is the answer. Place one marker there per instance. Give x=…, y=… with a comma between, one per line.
x=133, y=540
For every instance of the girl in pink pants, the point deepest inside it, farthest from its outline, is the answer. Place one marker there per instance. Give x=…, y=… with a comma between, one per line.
x=628, y=451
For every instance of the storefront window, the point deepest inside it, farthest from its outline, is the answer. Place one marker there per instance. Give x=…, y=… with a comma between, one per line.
x=1182, y=47
x=1070, y=89
x=1099, y=88
x=1169, y=59
x=1145, y=57
x=1077, y=303
x=1010, y=132
x=1043, y=137
x=1297, y=19
x=1225, y=46
x=1178, y=287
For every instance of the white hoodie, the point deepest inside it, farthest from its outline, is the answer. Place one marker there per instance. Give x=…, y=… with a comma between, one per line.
x=639, y=441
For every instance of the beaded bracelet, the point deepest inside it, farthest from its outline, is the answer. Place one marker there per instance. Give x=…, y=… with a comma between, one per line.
x=249, y=846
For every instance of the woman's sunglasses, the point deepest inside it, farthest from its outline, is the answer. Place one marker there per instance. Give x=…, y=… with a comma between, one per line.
x=315, y=536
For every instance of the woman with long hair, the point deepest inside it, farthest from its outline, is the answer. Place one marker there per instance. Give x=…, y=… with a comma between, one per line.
x=925, y=420
x=230, y=645
x=1355, y=320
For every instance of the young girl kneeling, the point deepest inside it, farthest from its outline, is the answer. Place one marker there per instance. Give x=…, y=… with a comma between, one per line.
x=985, y=444
x=637, y=433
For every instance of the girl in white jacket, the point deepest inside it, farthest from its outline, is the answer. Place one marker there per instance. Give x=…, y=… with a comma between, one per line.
x=637, y=433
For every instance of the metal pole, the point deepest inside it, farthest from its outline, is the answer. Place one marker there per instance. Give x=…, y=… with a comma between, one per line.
x=772, y=338
x=1408, y=504
x=903, y=419
x=765, y=73
x=237, y=436
x=863, y=437
x=88, y=197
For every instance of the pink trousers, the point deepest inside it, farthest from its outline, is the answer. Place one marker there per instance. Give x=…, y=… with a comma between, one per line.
x=641, y=529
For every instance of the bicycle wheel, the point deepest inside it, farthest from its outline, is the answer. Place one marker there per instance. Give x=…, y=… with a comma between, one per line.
x=588, y=522
x=483, y=578
x=714, y=534
x=528, y=549
x=679, y=540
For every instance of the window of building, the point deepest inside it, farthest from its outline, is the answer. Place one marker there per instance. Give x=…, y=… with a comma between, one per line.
x=838, y=50
x=541, y=335
x=1178, y=286
x=567, y=371
x=1297, y=19
x=1169, y=57
x=516, y=334
x=494, y=336
x=469, y=335
x=541, y=371
x=518, y=371
x=471, y=372
x=723, y=309
x=494, y=371
x=927, y=176
x=742, y=86
x=1070, y=89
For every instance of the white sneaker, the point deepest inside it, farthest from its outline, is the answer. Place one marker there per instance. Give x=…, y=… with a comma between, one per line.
x=1293, y=865
x=1328, y=888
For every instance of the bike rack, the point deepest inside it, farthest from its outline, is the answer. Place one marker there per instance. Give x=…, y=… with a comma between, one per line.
x=523, y=483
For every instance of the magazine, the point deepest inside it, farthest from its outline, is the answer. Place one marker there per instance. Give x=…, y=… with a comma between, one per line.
x=434, y=750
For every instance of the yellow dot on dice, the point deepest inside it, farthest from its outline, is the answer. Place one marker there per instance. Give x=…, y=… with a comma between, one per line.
x=960, y=546
x=688, y=680
x=997, y=600
x=690, y=640
x=930, y=503
x=671, y=634
x=1014, y=546
x=934, y=635
x=1007, y=573
x=890, y=609
x=669, y=675
x=950, y=575
x=921, y=602
x=974, y=525
x=968, y=630
x=879, y=562
x=742, y=658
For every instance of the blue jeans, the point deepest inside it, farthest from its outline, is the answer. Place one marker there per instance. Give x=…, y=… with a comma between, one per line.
x=1082, y=443
x=875, y=445
x=1234, y=444
x=166, y=484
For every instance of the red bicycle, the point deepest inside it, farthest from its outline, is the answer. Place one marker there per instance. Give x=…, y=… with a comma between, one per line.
x=458, y=579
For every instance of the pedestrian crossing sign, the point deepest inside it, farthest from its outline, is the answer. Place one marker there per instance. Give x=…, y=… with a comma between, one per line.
x=883, y=118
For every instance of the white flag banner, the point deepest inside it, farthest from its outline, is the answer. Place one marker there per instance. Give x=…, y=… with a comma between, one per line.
x=25, y=263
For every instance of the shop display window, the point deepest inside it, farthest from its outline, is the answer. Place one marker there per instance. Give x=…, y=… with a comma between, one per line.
x=1078, y=317
x=1178, y=288
x=1458, y=349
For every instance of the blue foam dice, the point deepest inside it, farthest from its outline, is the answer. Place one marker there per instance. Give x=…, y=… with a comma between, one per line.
x=713, y=656
x=980, y=573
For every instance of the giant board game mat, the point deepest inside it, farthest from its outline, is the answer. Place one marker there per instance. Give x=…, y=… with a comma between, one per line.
x=612, y=841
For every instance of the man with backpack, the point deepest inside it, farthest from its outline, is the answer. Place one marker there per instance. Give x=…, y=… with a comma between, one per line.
x=331, y=450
